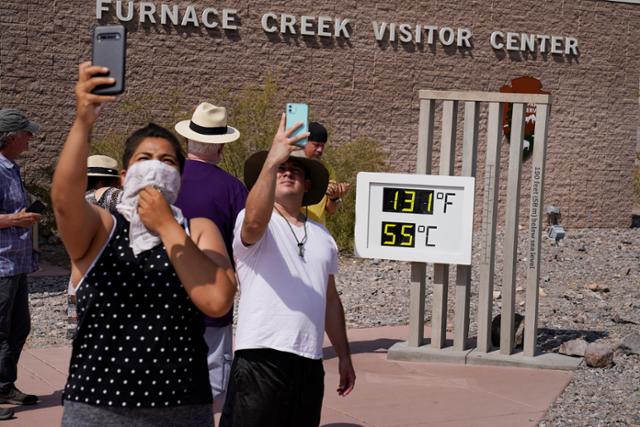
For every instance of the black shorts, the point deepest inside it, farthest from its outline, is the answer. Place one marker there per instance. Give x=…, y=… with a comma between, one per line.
x=273, y=388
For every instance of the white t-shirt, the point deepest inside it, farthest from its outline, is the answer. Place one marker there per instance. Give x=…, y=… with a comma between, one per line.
x=283, y=296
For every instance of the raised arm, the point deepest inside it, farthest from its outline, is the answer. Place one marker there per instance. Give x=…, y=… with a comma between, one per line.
x=336, y=331
x=203, y=267
x=77, y=220
x=260, y=201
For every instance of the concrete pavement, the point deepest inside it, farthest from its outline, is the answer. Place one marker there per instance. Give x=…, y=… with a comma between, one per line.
x=387, y=393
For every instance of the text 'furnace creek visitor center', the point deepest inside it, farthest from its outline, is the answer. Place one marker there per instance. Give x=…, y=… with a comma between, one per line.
x=360, y=65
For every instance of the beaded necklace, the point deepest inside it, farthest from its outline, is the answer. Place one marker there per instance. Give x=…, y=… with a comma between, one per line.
x=299, y=242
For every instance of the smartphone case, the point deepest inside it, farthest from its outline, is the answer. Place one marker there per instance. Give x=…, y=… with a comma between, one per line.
x=109, y=50
x=36, y=207
x=296, y=113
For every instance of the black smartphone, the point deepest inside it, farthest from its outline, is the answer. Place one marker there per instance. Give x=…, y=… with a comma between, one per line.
x=109, y=50
x=36, y=207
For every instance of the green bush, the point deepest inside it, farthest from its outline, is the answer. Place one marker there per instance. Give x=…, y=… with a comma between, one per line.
x=255, y=111
x=344, y=162
x=138, y=114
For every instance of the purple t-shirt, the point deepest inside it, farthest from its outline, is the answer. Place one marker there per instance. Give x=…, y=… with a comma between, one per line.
x=209, y=192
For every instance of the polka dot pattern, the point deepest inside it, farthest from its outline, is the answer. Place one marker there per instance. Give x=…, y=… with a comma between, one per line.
x=140, y=339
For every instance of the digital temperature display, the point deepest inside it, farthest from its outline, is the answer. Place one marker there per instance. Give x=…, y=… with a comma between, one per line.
x=398, y=234
x=414, y=217
x=406, y=200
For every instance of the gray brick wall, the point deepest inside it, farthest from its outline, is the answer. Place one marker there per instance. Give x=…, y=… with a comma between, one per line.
x=359, y=86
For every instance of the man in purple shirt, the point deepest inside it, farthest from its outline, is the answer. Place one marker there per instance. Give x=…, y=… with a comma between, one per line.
x=17, y=258
x=210, y=192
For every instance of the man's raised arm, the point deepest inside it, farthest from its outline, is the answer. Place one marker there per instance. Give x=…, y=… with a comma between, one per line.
x=262, y=196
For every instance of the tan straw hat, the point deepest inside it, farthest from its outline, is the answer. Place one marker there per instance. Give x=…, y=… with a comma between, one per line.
x=209, y=125
x=99, y=165
x=315, y=171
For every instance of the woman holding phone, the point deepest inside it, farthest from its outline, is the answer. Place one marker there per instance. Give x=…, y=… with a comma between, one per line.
x=143, y=278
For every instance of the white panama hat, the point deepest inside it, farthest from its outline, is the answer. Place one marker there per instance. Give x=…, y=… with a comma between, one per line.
x=209, y=125
x=99, y=165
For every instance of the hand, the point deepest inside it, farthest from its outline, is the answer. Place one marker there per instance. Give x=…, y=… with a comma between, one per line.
x=88, y=105
x=347, y=376
x=283, y=144
x=24, y=219
x=337, y=190
x=154, y=210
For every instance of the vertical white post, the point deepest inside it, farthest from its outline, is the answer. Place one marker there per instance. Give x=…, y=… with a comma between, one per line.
x=463, y=272
x=416, y=304
x=535, y=224
x=507, y=331
x=418, y=269
x=425, y=136
x=489, y=220
x=441, y=271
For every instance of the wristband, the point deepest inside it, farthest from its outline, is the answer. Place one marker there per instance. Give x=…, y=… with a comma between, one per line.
x=336, y=200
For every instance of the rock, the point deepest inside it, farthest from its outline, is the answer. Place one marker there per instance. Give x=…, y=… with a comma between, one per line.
x=518, y=325
x=518, y=341
x=599, y=355
x=519, y=289
x=574, y=347
x=597, y=287
x=592, y=287
x=616, y=318
x=541, y=292
x=497, y=294
x=630, y=344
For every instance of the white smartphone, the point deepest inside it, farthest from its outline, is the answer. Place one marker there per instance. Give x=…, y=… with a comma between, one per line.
x=296, y=113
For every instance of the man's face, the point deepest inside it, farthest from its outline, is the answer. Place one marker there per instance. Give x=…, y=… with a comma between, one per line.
x=314, y=149
x=18, y=144
x=290, y=179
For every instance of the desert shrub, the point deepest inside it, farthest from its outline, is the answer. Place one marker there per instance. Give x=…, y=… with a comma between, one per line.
x=344, y=162
x=255, y=111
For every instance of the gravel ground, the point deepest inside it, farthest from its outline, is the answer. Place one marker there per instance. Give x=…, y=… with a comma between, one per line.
x=376, y=292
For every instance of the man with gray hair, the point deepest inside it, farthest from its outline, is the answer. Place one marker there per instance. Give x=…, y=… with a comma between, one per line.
x=17, y=258
x=210, y=192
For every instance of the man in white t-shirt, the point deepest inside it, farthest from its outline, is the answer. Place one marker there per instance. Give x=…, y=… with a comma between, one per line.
x=285, y=266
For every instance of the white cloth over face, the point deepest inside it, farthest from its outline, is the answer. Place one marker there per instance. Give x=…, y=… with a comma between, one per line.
x=143, y=174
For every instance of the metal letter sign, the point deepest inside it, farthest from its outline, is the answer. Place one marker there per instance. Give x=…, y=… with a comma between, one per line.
x=409, y=217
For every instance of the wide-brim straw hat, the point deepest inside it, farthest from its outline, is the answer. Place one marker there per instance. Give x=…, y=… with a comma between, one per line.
x=209, y=125
x=100, y=165
x=315, y=171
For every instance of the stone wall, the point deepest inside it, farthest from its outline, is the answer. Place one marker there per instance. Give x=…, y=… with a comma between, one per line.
x=358, y=86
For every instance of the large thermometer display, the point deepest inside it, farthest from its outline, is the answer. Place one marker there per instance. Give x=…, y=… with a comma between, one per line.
x=424, y=218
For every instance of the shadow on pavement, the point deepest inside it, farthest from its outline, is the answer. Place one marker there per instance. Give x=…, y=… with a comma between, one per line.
x=380, y=345
x=45, y=401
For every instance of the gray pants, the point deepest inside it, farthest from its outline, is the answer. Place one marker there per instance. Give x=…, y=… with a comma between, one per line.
x=15, y=325
x=219, y=359
x=82, y=415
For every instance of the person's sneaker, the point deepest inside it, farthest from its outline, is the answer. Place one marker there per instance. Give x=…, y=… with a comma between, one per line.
x=16, y=397
x=6, y=413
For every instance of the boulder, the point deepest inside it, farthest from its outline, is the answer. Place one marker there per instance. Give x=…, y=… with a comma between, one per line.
x=630, y=344
x=576, y=347
x=518, y=335
x=599, y=355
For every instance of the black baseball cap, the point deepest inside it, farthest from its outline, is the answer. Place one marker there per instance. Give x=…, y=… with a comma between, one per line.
x=317, y=132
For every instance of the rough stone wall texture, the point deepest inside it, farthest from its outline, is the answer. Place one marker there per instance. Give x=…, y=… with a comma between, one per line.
x=358, y=86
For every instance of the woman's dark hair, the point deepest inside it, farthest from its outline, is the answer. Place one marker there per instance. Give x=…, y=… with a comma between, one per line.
x=151, y=130
x=95, y=182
